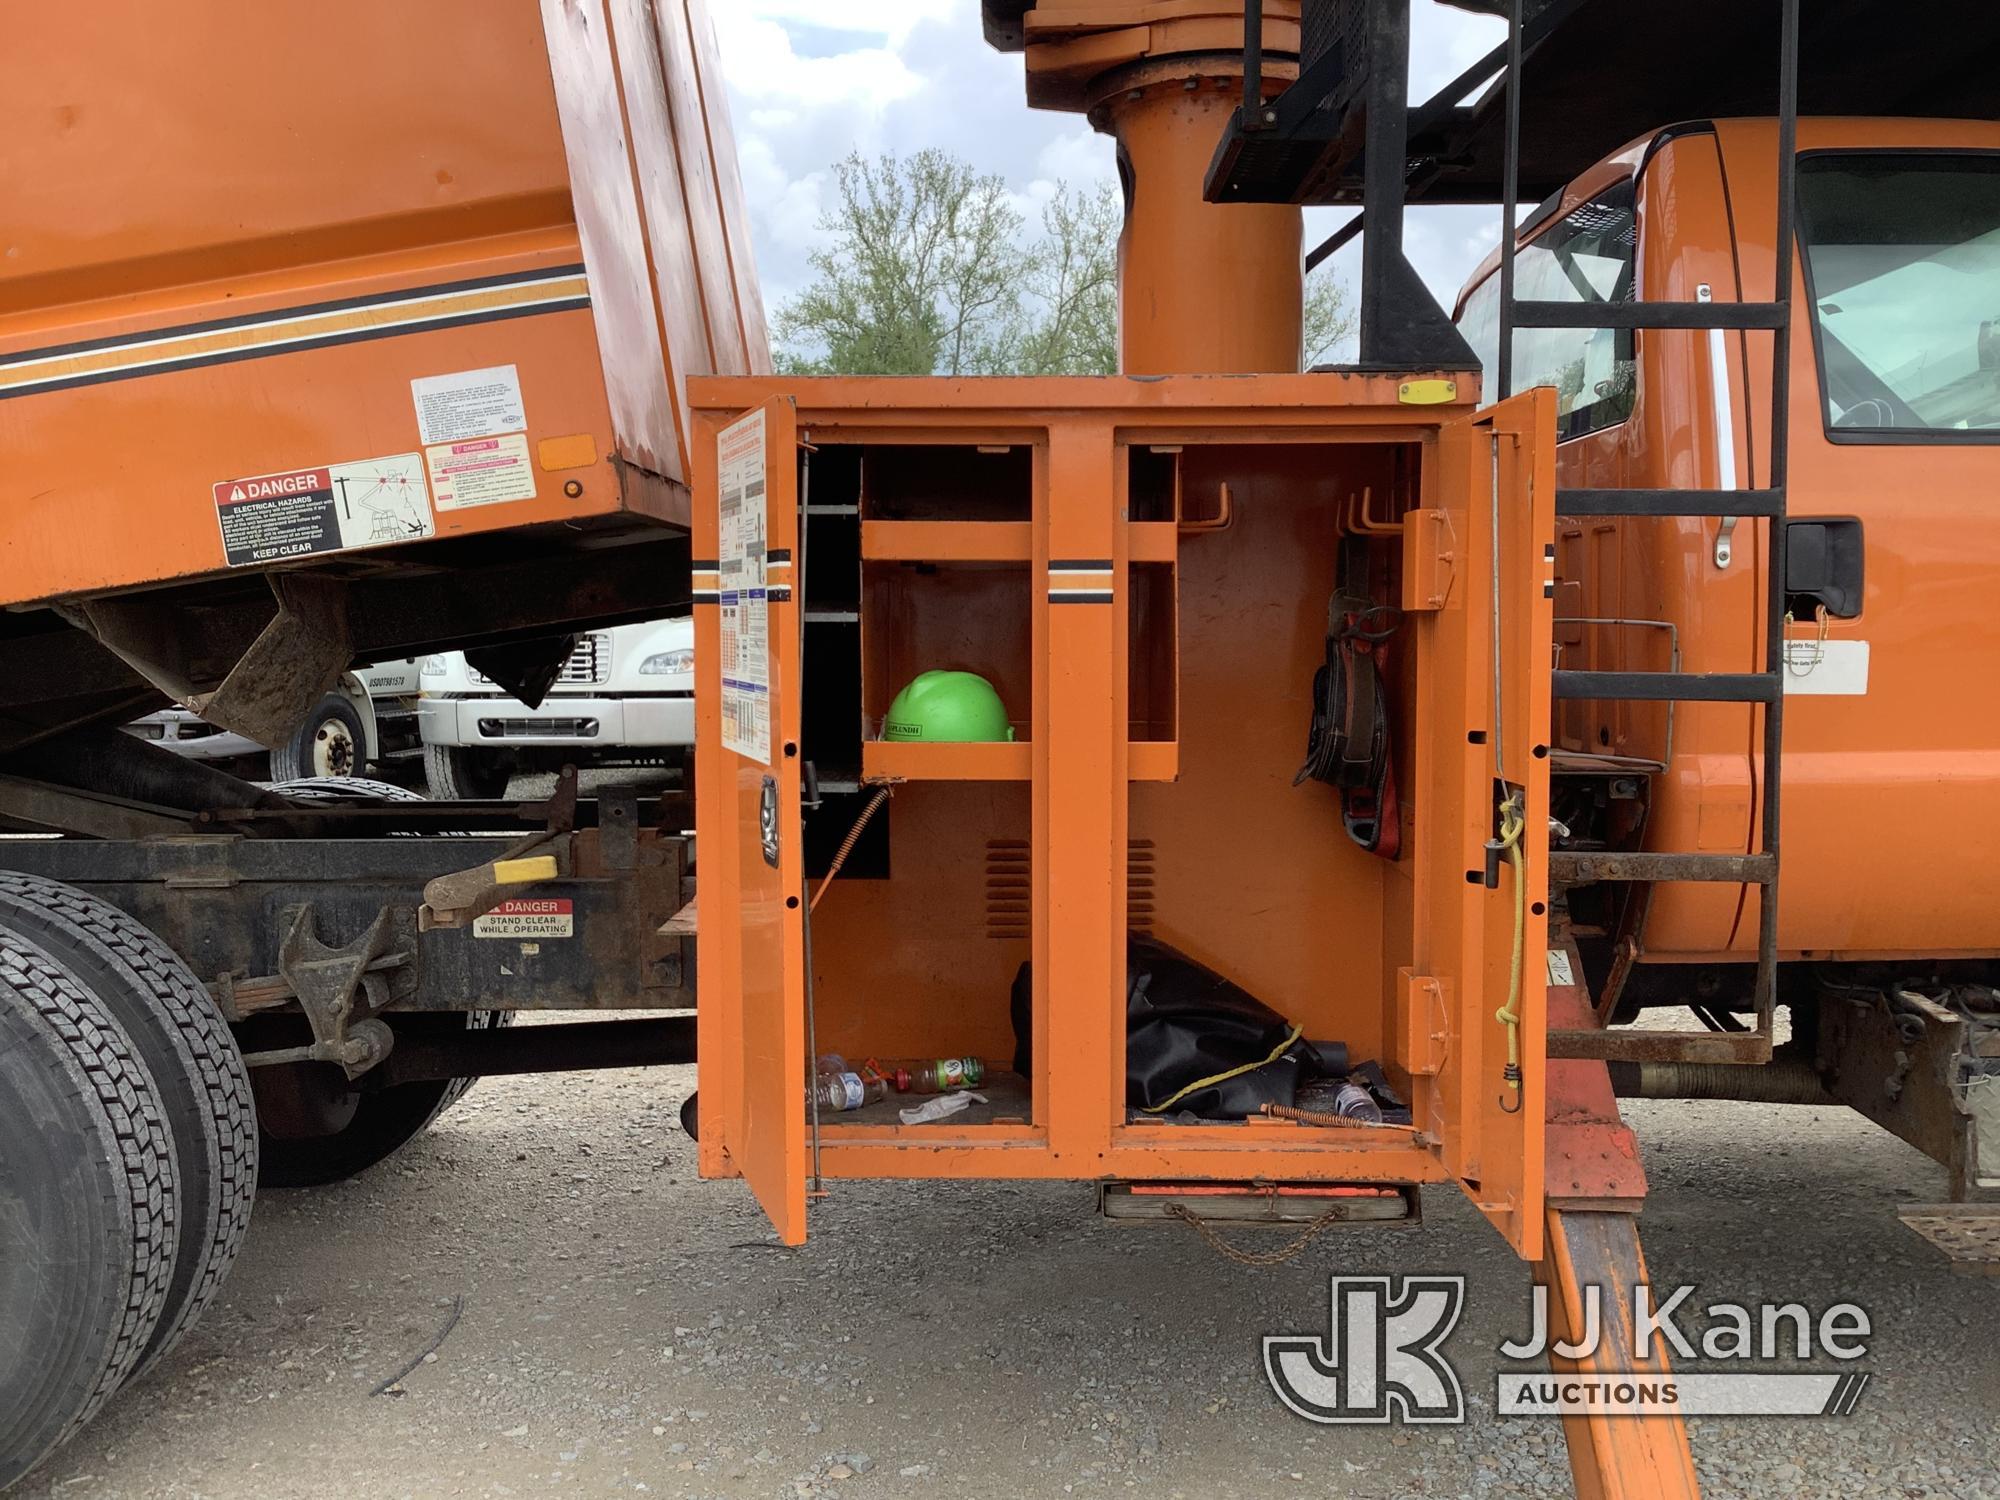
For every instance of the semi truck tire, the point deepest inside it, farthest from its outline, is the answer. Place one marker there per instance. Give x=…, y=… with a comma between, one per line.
x=368, y=1126
x=364, y=1127
x=456, y=773
x=344, y=789
x=186, y=1048
x=89, y=1207
x=331, y=742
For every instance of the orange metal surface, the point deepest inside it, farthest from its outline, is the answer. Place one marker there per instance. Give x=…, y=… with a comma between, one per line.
x=1885, y=770
x=1203, y=288
x=659, y=210
x=210, y=275
x=1244, y=871
x=751, y=1026
x=1611, y=1457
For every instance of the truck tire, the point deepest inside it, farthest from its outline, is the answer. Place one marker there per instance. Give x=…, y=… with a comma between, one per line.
x=344, y=789
x=457, y=773
x=373, y=1125
x=88, y=1207
x=331, y=742
x=186, y=1048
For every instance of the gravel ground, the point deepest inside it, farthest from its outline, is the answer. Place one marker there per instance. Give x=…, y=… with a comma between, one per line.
x=628, y=1329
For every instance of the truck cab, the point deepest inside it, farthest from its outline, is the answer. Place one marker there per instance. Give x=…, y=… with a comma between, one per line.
x=624, y=696
x=1894, y=392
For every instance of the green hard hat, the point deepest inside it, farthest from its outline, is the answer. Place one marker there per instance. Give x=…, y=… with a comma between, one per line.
x=948, y=706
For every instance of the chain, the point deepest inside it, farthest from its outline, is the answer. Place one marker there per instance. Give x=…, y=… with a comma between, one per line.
x=1278, y=1257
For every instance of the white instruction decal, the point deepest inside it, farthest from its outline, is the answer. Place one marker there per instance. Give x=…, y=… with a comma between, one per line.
x=528, y=917
x=1827, y=669
x=481, y=471
x=746, y=633
x=1560, y=972
x=375, y=502
x=469, y=404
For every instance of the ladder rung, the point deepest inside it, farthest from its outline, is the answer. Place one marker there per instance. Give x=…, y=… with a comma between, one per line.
x=1670, y=502
x=1670, y=687
x=1581, y=867
x=1651, y=314
x=1638, y=1045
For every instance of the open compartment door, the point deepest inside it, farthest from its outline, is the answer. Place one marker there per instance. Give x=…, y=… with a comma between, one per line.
x=751, y=952
x=1483, y=727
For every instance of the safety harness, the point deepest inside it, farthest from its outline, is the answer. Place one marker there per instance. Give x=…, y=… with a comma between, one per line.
x=1347, y=746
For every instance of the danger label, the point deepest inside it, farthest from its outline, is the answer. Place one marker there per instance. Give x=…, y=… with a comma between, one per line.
x=528, y=917
x=481, y=471
x=374, y=502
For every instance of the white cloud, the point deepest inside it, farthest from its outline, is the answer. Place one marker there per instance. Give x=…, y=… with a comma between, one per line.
x=760, y=63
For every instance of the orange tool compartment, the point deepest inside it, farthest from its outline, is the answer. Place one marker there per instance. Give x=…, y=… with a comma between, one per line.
x=1142, y=568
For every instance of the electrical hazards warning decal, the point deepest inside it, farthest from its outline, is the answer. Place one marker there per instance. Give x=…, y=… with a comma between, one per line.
x=528, y=917
x=376, y=502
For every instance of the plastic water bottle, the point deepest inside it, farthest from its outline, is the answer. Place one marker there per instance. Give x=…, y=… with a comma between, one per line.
x=935, y=1075
x=839, y=1087
x=1354, y=1102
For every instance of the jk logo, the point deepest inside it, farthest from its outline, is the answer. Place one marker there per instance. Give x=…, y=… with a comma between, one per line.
x=1379, y=1361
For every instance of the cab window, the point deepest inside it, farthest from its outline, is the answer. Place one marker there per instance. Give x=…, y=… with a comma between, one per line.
x=1902, y=256
x=1588, y=255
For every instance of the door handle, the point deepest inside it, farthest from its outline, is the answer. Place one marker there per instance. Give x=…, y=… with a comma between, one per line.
x=1824, y=566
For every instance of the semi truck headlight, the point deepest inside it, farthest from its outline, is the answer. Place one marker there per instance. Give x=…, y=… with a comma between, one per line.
x=667, y=663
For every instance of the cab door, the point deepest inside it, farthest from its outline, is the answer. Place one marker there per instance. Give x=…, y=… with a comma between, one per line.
x=1482, y=728
x=750, y=908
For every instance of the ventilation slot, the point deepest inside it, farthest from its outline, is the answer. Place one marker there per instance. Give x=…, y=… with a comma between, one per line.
x=1010, y=888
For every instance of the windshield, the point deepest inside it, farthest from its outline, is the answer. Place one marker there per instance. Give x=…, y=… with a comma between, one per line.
x=1903, y=264
x=1586, y=256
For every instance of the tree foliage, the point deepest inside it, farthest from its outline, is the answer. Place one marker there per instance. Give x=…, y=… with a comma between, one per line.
x=928, y=267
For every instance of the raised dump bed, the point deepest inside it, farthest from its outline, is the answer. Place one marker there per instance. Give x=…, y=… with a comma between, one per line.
x=309, y=353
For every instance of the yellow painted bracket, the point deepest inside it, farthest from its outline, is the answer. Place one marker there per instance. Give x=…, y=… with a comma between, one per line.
x=1427, y=392
x=458, y=899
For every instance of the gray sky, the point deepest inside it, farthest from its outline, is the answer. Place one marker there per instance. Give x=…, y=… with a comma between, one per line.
x=811, y=80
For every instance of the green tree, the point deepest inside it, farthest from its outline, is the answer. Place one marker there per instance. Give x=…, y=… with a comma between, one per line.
x=1073, y=286
x=928, y=269
x=1329, y=319
x=920, y=273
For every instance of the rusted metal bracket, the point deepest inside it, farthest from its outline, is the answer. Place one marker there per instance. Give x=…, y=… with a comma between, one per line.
x=1426, y=1022
x=1925, y=1069
x=462, y=897
x=1430, y=560
x=59, y=807
x=344, y=990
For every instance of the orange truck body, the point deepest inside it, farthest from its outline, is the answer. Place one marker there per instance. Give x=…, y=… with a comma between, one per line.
x=307, y=291
x=1892, y=746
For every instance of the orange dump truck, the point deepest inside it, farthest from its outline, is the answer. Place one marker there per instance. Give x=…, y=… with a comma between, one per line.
x=1354, y=737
